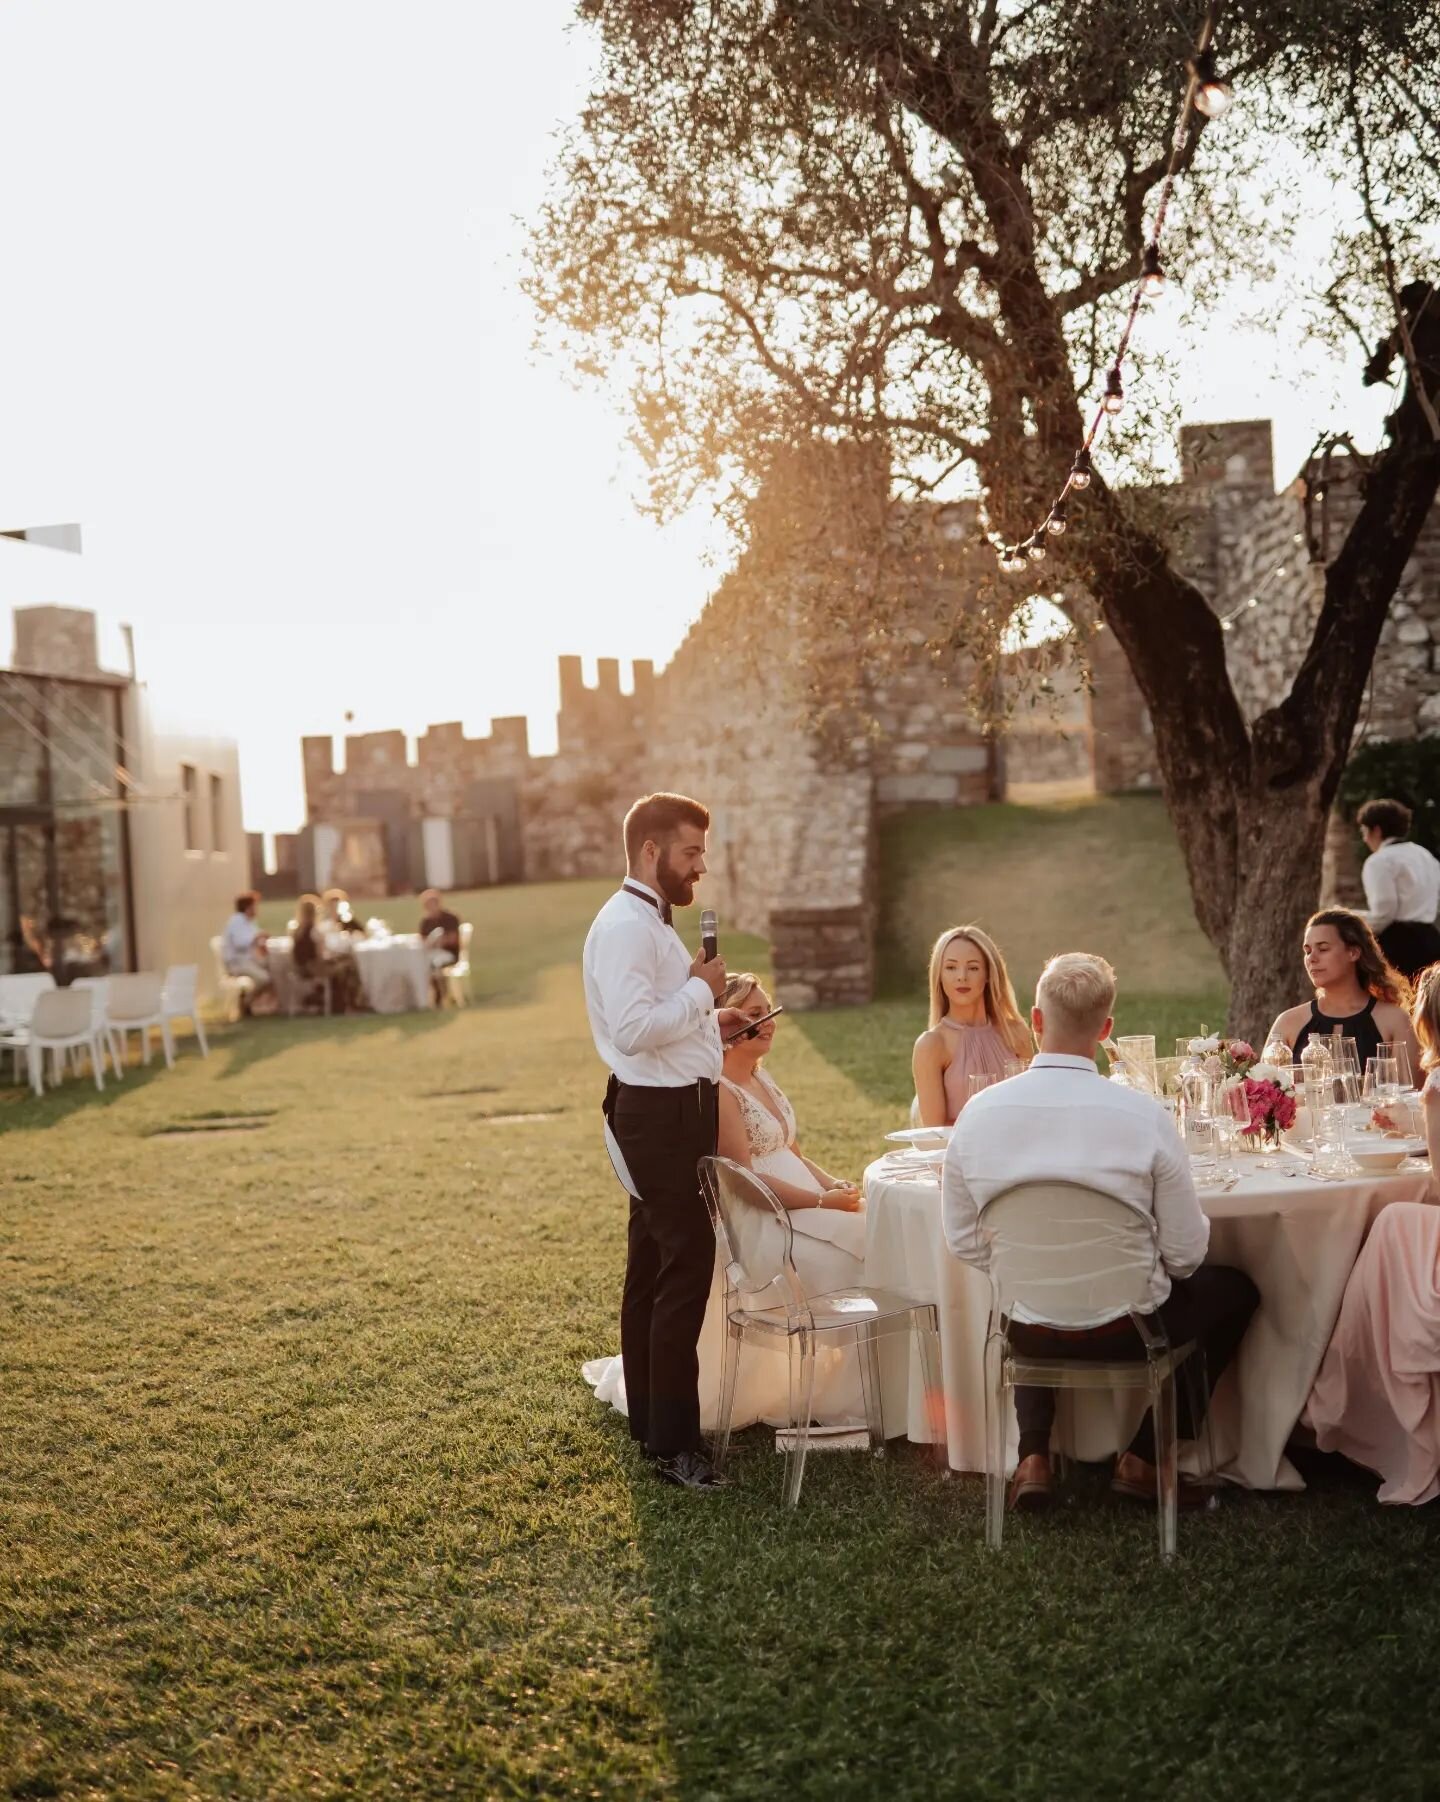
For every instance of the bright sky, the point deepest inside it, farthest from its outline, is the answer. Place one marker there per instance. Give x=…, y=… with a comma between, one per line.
x=264, y=340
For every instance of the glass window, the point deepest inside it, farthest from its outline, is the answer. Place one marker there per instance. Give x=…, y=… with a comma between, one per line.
x=217, y=814
x=188, y=798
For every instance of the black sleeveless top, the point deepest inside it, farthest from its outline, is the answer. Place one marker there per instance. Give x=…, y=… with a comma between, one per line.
x=1361, y=1027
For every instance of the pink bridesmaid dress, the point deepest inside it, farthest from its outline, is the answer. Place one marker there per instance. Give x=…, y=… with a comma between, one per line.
x=972, y=1049
x=1377, y=1397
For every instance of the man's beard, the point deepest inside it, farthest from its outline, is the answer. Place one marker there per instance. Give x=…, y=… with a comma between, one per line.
x=678, y=890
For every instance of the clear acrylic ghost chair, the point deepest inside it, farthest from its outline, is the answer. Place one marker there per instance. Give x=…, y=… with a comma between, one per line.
x=178, y=999
x=134, y=1006
x=764, y=1300
x=1075, y=1258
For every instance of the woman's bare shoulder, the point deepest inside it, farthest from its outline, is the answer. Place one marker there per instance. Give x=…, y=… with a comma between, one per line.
x=931, y=1046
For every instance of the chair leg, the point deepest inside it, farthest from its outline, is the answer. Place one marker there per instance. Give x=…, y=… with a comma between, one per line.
x=200, y=1035
x=35, y=1057
x=802, y=1396
x=167, y=1042
x=997, y=1399
x=144, y=1032
x=1196, y=1375
x=97, y=1061
x=729, y=1373
x=867, y=1351
x=1162, y=1400
x=932, y=1376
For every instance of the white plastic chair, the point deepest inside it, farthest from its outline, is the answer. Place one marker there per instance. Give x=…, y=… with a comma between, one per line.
x=457, y=975
x=178, y=999
x=98, y=988
x=1074, y=1258
x=235, y=990
x=61, y=1018
x=764, y=1300
x=18, y=995
x=135, y=1006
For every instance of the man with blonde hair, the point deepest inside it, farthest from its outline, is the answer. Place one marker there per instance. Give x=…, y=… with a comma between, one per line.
x=1060, y=1121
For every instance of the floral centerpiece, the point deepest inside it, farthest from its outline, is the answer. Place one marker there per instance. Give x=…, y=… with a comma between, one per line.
x=1269, y=1089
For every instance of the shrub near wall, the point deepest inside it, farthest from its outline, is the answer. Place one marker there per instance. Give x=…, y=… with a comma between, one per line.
x=1405, y=770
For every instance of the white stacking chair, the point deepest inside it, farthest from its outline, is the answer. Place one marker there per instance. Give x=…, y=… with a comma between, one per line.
x=18, y=995
x=1075, y=1258
x=178, y=999
x=61, y=1018
x=98, y=989
x=764, y=1299
x=234, y=989
x=135, y=1006
x=457, y=975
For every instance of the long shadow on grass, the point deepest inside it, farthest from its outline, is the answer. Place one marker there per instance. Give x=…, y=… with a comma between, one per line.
x=258, y=1040
x=24, y=1111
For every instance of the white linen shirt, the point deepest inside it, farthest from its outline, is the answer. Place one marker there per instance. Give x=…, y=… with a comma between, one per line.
x=1402, y=882
x=237, y=942
x=652, y=1021
x=1061, y=1121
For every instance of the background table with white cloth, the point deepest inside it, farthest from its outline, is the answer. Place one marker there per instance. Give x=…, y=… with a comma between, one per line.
x=1295, y=1237
x=394, y=972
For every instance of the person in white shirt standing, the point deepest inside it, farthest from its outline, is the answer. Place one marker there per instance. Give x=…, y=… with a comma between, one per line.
x=1061, y=1121
x=653, y=1015
x=1402, y=888
x=242, y=944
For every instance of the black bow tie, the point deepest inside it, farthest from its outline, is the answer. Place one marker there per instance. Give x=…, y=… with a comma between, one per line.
x=661, y=907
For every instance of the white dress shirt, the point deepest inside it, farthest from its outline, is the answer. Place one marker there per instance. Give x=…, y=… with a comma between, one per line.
x=1402, y=882
x=1061, y=1121
x=237, y=942
x=653, y=1022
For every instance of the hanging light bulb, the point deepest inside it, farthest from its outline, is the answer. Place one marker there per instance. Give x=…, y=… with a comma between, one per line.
x=1152, y=276
x=1254, y=601
x=1212, y=95
x=1227, y=625
x=1114, y=391
x=1036, y=548
x=1080, y=470
x=1057, y=521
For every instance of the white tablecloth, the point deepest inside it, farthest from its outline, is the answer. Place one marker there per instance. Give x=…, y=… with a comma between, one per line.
x=394, y=973
x=1296, y=1238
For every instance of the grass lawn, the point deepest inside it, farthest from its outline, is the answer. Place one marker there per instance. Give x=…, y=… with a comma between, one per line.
x=301, y=1494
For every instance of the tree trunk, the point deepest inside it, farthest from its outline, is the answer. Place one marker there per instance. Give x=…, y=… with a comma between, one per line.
x=1277, y=887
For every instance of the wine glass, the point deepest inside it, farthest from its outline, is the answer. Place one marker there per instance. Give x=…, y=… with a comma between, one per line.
x=1400, y=1052
x=981, y=1079
x=1232, y=1114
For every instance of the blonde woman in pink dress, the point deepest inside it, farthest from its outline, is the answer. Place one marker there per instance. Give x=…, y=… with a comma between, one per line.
x=975, y=1026
x=1377, y=1397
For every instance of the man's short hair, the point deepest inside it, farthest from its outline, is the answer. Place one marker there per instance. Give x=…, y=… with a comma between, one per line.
x=659, y=818
x=427, y=893
x=1392, y=818
x=244, y=898
x=1076, y=992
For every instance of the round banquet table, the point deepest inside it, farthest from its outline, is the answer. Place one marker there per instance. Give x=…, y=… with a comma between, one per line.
x=394, y=972
x=1295, y=1237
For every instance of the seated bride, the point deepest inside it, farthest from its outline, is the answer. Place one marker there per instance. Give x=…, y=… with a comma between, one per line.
x=757, y=1129
x=975, y=1027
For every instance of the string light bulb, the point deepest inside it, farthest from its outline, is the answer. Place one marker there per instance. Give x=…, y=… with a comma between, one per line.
x=1212, y=94
x=1114, y=391
x=1080, y=470
x=1152, y=276
x=1036, y=548
x=1057, y=521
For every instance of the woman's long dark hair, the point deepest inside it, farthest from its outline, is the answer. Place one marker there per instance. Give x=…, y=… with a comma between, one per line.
x=1373, y=970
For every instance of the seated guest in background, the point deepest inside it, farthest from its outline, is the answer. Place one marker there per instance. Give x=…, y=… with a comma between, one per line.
x=242, y=944
x=1377, y=1397
x=1357, y=993
x=1061, y=1121
x=312, y=962
x=336, y=914
x=1402, y=888
x=440, y=930
x=975, y=1025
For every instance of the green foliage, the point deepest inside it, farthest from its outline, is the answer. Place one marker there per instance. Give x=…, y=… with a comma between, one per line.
x=1405, y=770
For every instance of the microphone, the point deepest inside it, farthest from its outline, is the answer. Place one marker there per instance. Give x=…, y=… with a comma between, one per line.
x=709, y=934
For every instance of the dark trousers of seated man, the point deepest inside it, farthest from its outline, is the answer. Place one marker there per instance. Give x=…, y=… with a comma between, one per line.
x=1212, y=1307
x=662, y=1135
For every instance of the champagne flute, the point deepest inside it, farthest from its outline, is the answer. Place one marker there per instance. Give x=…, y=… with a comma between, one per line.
x=1400, y=1052
x=981, y=1079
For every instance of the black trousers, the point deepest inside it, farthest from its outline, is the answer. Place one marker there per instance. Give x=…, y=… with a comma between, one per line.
x=1411, y=945
x=662, y=1135
x=1213, y=1306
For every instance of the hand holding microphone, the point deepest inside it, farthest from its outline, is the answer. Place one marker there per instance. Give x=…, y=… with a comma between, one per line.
x=708, y=965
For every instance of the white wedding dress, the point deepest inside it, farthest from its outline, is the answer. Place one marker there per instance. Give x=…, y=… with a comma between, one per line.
x=828, y=1247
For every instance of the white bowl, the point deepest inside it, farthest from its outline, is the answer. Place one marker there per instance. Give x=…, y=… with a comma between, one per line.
x=1380, y=1157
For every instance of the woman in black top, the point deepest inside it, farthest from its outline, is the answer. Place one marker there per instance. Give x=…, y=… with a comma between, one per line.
x=310, y=960
x=1357, y=993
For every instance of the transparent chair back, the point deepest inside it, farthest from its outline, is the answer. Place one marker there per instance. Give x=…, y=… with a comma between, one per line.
x=1075, y=1258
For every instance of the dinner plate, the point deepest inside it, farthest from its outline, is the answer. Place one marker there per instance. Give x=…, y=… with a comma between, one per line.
x=919, y=1135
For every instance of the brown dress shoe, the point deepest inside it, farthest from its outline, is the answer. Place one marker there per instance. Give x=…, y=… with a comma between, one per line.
x=1030, y=1486
x=1136, y=1479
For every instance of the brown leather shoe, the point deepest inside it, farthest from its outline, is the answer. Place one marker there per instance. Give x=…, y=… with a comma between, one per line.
x=1135, y=1479
x=1030, y=1486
